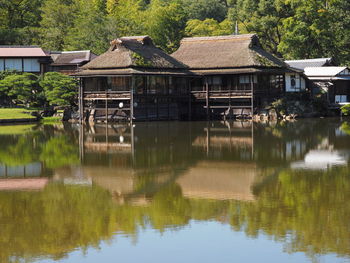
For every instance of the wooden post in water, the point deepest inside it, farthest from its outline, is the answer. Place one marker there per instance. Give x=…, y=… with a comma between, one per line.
x=81, y=101
x=132, y=98
x=189, y=100
x=252, y=95
x=106, y=104
x=207, y=98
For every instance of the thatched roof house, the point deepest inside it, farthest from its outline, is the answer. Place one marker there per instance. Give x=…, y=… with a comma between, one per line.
x=133, y=55
x=232, y=54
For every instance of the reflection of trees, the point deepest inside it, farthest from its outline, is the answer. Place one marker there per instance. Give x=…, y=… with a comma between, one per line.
x=53, y=222
x=59, y=151
x=306, y=210
x=54, y=146
x=310, y=207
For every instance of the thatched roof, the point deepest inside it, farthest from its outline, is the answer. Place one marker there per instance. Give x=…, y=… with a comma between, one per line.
x=220, y=52
x=134, y=52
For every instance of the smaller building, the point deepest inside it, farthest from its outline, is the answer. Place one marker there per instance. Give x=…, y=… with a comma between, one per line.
x=307, y=63
x=334, y=81
x=68, y=62
x=23, y=59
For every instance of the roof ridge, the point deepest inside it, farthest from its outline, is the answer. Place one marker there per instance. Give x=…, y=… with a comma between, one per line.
x=223, y=37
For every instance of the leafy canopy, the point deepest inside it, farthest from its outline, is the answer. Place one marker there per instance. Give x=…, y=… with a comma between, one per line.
x=60, y=90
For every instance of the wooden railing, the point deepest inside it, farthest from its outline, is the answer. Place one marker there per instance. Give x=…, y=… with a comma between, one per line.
x=222, y=94
x=108, y=96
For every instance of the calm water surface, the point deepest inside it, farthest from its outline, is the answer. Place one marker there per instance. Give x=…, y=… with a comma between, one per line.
x=176, y=192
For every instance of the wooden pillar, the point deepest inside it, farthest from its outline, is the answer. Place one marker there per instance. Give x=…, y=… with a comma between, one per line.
x=132, y=98
x=252, y=92
x=81, y=101
x=146, y=95
x=189, y=100
x=168, y=95
x=207, y=97
x=106, y=104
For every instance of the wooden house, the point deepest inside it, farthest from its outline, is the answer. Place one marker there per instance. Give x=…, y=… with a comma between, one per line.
x=207, y=77
x=69, y=62
x=333, y=81
x=237, y=74
x=134, y=80
x=23, y=59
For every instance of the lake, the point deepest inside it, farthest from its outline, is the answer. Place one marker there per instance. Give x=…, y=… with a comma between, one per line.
x=176, y=192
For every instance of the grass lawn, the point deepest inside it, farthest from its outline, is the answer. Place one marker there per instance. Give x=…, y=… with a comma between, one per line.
x=48, y=120
x=15, y=113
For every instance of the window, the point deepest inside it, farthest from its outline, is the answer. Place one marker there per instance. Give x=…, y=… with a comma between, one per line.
x=340, y=98
x=215, y=83
x=246, y=79
x=31, y=65
x=140, y=84
x=13, y=64
x=118, y=83
x=276, y=82
x=2, y=68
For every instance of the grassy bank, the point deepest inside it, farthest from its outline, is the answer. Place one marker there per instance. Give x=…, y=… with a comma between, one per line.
x=15, y=113
x=49, y=120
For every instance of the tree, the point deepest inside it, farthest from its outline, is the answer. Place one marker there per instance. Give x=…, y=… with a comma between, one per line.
x=19, y=20
x=60, y=90
x=57, y=19
x=203, y=9
x=167, y=24
x=128, y=15
x=208, y=27
x=20, y=88
x=94, y=33
x=308, y=33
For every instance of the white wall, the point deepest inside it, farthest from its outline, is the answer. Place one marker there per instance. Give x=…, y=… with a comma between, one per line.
x=300, y=83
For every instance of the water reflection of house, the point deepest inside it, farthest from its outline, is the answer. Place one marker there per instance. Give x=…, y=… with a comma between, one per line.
x=22, y=177
x=321, y=160
x=108, y=138
x=219, y=181
x=222, y=138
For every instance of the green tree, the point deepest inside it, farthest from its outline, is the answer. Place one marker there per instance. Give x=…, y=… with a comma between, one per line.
x=57, y=19
x=60, y=90
x=208, y=27
x=94, y=33
x=128, y=15
x=20, y=88
x=203, y=9
x=166, y=24
x=19, y=21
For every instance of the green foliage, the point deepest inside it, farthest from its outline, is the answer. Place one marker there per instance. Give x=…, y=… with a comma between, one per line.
x=208, y=27
x=291, y=29
x=205, y=9
x=60, y=90
x=167, y=24
x=57, y=18
x=20, y=88
x=345, y=109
